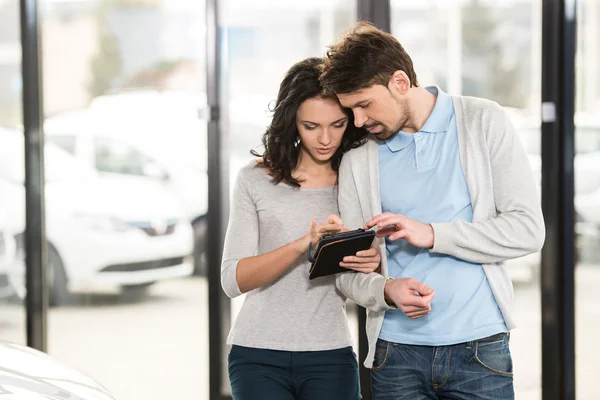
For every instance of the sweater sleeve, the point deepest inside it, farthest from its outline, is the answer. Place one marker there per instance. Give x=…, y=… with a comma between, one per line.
x=241, y=239
x=518, y=229
x=365, y=290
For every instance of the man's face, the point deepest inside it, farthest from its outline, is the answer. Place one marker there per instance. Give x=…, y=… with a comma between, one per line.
x=378, y=109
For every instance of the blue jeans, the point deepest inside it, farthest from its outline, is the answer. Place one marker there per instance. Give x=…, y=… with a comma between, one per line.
x=480, y=369
x=260, y=374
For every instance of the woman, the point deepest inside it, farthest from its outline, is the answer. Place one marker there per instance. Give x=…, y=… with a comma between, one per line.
x=291, y=337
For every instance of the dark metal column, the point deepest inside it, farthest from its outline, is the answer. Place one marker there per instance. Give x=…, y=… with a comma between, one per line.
x=35, y=233
x=558, y=255
x=377, y=12
x=218, y=303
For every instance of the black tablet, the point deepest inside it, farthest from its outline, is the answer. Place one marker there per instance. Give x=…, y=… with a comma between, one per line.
x=332, y=249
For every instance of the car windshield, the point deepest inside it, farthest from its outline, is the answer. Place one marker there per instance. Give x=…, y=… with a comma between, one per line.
x=59, y=165
x=587, y=140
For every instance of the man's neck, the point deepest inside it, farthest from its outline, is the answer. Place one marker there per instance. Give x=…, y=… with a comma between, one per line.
x=421, y=104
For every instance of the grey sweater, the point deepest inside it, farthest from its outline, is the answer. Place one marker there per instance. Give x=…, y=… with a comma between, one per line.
x=507, y=217
x=292, y=313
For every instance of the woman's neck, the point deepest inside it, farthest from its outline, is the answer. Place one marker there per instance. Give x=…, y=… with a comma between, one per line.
x=313, y=173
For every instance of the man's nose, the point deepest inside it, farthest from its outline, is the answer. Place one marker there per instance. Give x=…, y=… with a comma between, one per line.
x=359, y=118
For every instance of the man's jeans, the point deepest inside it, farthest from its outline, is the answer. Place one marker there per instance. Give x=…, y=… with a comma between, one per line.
x=479, y=370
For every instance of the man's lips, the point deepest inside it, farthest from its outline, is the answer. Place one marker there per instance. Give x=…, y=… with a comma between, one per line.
x=373, y=128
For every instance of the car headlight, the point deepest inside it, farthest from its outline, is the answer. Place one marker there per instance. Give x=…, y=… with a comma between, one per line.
x=104, y=223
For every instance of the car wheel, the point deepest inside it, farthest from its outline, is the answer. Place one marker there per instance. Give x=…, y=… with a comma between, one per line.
x=57, y=279
x=200, y=264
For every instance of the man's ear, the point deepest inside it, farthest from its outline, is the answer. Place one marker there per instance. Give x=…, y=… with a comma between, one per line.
x=400, y=82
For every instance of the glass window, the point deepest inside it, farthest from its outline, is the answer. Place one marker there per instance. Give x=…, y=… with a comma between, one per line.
x=67, y=143
x=587, y=197
x=60, y=165
x=252, y=75
x=126, y=78
x=12, y=202
x=587, y=139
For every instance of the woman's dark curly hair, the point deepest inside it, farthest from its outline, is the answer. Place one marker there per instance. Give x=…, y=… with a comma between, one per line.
x=300, y=83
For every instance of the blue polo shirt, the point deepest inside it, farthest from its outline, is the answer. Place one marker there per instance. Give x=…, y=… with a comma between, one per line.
x=421, y=177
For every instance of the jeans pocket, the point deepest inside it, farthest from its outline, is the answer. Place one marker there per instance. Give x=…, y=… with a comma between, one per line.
x=494, y=356
x=382, y=354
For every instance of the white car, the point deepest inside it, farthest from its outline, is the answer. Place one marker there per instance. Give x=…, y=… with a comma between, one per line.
x=161, y=135
x=152, y=135
x=102, y=231
x=27, y=373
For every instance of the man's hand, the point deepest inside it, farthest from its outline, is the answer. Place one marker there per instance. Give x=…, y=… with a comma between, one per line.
x=398, y=226
x=365, y=261
x=402, y=293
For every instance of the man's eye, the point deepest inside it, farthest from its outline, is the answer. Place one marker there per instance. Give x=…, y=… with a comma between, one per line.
x=365, y=105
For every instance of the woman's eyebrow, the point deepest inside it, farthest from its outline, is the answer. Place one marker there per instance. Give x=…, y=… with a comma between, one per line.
x=314, y=123
x=339, y=120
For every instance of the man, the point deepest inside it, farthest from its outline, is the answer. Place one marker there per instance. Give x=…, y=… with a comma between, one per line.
x=448, y=184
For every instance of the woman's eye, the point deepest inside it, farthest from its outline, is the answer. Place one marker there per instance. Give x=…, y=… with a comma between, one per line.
x=310, y=128
x=339, y=125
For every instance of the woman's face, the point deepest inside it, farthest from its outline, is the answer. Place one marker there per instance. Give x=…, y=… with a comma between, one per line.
x=321, y=124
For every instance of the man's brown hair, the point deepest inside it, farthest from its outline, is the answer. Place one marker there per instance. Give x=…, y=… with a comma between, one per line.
x=363, y=57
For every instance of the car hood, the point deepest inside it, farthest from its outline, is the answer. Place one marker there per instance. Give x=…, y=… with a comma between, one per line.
x=31, y=374
x=129, y=199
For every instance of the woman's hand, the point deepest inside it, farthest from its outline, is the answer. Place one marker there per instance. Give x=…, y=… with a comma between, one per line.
x=365, y=261
x=333, y=224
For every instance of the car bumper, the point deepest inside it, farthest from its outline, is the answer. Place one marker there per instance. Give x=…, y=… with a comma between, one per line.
x=131, y=278
x=126, y=258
